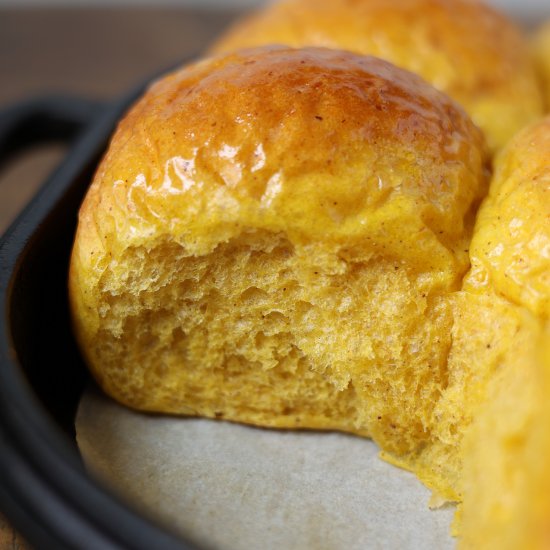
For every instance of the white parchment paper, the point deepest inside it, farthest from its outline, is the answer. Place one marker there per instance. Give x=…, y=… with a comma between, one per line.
x=239, y=488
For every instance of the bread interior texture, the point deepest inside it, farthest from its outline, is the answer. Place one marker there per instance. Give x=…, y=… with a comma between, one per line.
x=252, y=325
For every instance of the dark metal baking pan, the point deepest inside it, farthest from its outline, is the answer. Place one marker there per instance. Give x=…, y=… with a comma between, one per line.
x=44, y=489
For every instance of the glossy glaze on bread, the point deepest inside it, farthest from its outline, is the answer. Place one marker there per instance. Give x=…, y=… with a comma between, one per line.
x=463, y=47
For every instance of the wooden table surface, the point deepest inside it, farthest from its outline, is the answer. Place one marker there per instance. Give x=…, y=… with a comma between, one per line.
x=95, y=53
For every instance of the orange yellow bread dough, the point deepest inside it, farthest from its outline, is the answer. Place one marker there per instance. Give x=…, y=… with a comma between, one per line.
x=483, y=328
x=510, y=249
x=272, y=238
x=464, y=48
x=506, y=479
x=491, y=437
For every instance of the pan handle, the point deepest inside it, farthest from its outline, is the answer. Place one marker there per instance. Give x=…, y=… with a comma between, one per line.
x=42, y=120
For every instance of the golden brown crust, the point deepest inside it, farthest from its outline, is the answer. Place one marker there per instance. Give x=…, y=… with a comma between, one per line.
x=248, y=128
x=470, y=51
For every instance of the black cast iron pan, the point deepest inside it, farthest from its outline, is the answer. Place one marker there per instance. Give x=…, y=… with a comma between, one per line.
x=44, y=490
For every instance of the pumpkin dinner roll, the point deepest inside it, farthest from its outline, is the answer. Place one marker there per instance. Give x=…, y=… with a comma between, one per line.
x=507, y=451
x=271, y=238
x=497, y=317
x=464, y=48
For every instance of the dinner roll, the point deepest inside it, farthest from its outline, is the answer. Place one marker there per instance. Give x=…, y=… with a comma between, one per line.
x=271, y=238
x=464, y=48
x=497, y=319
x=507, y=449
